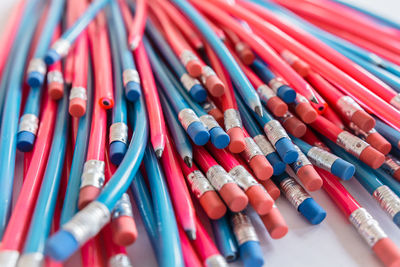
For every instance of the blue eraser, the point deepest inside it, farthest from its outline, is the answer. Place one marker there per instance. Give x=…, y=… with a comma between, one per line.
x=117, y=152
x=312, y=211
x=251, y=254
x=219, y=138
x=198, y=93
x=286, y=150
x=198, y=133
x=277, y=164
x=51, y=57
x=25, y=141
x=343, y=169
x=287, y=94
x=132, y=91
x=35, y=79
x=61, y=245
x=396, y=219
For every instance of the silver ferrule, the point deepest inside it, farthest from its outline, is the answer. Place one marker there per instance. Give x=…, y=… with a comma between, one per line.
x=348, y=106
x=360, y=133
x=9, y=258
x=216, y=261
x=263, y=143
x=78, y=92
x=93, y=174
x=209, y=121
x=301, y=161
x=285, y=117
x=35, y=259
x=232, y=119
x=274, y=131
x=289, y=57
x=321, y=158
x=351, y=143
x=367, y=226
x=186, y=117
x=88, y=222
x=61, y=46
x=275, y=84
x=301, y=99
x=123, y=207
x=119, y=132
x=293, y=192
x=395, y=101
x=251, y=149
x=37, y=65
x=29, y=123
x=199, y=183
x=218, y=177
x=130, y=75
x=187, y=56
x=188, y=81
x=388, y=200
x=208, y=105
x=55, y=76
x=242, y=177
x=119, y=260
x=391, y=165
x=240, y=46
x=207, y=72
x=265, y=93
x=243, y=228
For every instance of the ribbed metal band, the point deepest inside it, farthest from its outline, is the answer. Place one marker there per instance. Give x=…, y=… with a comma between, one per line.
x=118, y=132
x=123, y=207
x=209, y=121
x=274, y=131
x=358, y=132
x=55, y=76
x=265, y=92
x=251, y=149
x=285, y=117
x=243, y=228
x=37, y=65
x=93, y=174
x=130, y=75
x=395, y=101
x=61, y=46
x=9, y=258
x=240, y=46
x=388, y=200
x=216, y=261
x=351, y=143
x=187, y=56
x=391, y=165
x=35, y=259
x=186, y=117
x=321, y=158
x=293, y=192
x=29, y=123
x=199, y=183
x=301, y=99
x=208, y=105
x=263, y=143
x=119, y=260
x=188, y=81
x=218, y=177
x=275, y=84
x=242, y=177
x=301, y=161
x=232, y=119
x=348, y=106
x=207, y=72
x=289, y=57
x=78, y=92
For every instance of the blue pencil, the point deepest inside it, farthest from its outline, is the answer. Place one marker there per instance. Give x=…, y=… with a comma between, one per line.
x=225, y=239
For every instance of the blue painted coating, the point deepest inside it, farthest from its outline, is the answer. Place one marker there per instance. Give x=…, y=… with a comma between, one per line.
x=396, y=219
x=312, y=211
x=251, y=254
x=388, y=132
x=225, y=239
x=388, y=180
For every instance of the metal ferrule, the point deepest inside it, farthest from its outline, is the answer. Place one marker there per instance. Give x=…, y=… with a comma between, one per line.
x=61, y=46
x=321, y=158
x=218, y=177
x=35, y=259
x=122, y=208
x=301, y=161
x=274, y=131
x=188, y=81
x=88, y=222
x=232, y=119
x=275, y=84
x=119, y=132
x=199, y=183
x=263, y=143
x=351, y=143
x=289, y=57
x=55, y=76
x=93, y=174
x=209, y=121
x=119, y=260
x=388, y=200
x=367, y=226
x=187, y=56
x=243, y=228
x=206, y=72
x=186, y=117
x=130, y=75
x=78, y=92
x=29, y=123
x=216, y=261
x=395, y=101
x=360, y=133
x=242, y=177
x=348, y=106
x=240, y=46
x=251, y=149
x=208, y=105
x=9, y=258
x=301, y=99
x=265, y=92
x=293, y=192
x=37, y=65
x=391, y=165
x=285, y=117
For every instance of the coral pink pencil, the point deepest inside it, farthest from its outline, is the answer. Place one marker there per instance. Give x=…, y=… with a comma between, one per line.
x=242, y=48
x=91, y=253
x=189, y=254
x=115, y=254
x=136, y=29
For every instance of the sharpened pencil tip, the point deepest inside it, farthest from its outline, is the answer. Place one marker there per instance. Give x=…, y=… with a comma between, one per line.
x=191, y=234
x=159, y=152
x=314, y=100
x=188, y=161
x=258, y=110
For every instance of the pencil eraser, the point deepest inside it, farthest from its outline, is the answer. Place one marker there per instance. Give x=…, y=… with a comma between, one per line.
x=132, y=91
x=277, y=106
x=35, y=79
x=343, y=169
x=234, y=197
x=275, y=224
x=247, y=55
x=218, y=116
x=286, y=150
x=198, y=93
x=251, y=254
x=312, y=211
x=56, y=90
x=124, y=231
x=277, y=164
x=306, y=112
x=86, y=195
x=219, y=138
x=212, y=205
x=309, y=178
x=372, y=157
x=363, y=120
x=77, y=107
x=117, y=152
x=387, y=252
x=396, y=219
x=215, y=86
x=301, y=67
x=51, y=57
x=198, y=133
x=287, y=94
x=377, y=141
x=261, y=167
x=25, y=141
x=194, y=68
x=259, y=199
x=294, y=126
x=61, y=245
x=237, y=143
x=271, y=188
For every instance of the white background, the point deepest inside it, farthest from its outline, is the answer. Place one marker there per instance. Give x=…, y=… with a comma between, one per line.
x=333, y=243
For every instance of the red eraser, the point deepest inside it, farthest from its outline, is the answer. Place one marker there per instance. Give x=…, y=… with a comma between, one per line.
x=86, y=195
x=301, y=67
x=212, y=205
x=372, y=157
x=56, y=90
x=259, y=199
x=294, y=126
x=261, y=167
x=194, y=68
x=234, y=197
x=77, y=107
x=277, y=106
x=215, y=86
x=275, y=223
x=379, y=142
x=218, y=116
x=396, y=175
x=363, y=120
x=387, y=252
x=271, y=188
x=306, y=112
x=309, y=177
x=246, y=55
x=237, y=143
x=124, y=231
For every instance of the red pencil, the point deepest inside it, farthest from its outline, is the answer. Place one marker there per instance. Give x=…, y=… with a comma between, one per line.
x=242, y=48
x=136, y=29
x=91, y=253
x=189, y=254
x=116, y=255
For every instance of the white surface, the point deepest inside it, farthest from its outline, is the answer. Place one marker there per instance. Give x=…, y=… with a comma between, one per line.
x=333, y=243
